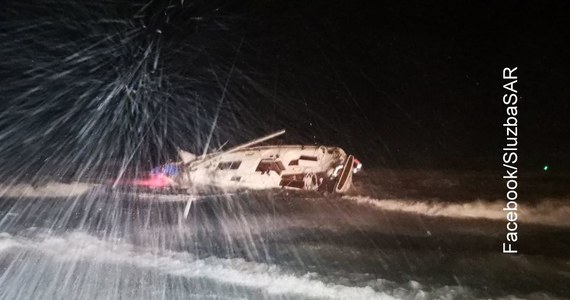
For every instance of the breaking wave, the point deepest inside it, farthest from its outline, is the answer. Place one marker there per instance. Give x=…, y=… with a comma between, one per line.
x=553, y=212
x=270, y=279
x=49, y=190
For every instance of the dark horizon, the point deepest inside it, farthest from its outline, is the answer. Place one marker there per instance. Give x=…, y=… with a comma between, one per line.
x=400, y=84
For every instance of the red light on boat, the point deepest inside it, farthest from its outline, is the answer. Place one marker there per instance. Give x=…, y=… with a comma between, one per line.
x=156, y=181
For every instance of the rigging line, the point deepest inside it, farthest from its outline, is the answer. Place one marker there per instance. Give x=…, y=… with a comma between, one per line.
x=126, y=163
x=222, y=98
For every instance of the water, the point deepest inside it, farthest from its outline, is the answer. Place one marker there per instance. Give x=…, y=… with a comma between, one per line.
x=277, y=245
x=95, y=90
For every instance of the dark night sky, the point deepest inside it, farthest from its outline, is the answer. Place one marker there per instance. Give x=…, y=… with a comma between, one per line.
x=398, y=83
x=420, y=83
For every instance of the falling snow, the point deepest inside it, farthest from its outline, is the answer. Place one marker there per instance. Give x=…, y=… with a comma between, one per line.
x=98, y=92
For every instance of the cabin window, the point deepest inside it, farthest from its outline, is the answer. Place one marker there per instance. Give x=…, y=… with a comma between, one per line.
x=294, y=162
x=306, y=157
x=268, y=165
x=229, y=165
x=235, y=178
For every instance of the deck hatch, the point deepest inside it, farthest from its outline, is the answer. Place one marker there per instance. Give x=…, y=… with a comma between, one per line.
x=268, y=165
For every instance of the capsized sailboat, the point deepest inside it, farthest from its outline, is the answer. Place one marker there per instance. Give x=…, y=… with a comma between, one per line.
x=255, y=167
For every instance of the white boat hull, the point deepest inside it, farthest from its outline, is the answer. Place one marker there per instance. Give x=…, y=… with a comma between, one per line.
x=303, y=167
